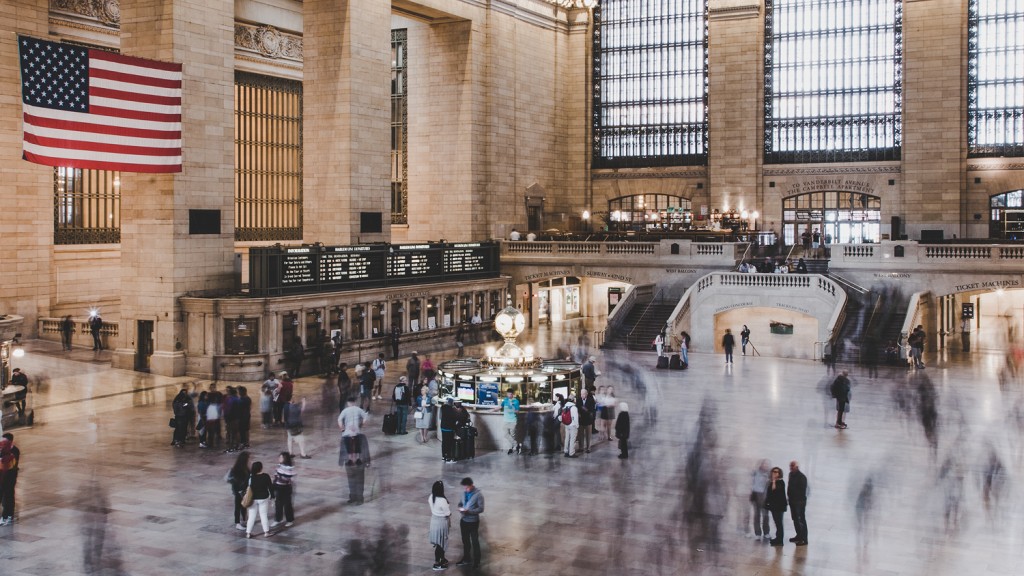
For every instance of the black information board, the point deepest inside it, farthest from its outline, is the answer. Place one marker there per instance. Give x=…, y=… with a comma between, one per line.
x=307, y=269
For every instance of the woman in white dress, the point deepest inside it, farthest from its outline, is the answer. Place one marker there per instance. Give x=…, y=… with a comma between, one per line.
x=440, y=516
x=423, y=415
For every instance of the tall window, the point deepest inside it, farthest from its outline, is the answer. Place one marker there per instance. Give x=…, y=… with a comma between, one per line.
x=268, y=158
x=650, y=83
x=833, y=80
x=995, y=78
x=399, y=125
x=86, y=206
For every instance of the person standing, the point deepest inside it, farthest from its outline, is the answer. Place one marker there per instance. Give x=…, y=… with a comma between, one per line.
x=775, y=502
x=449, y=421
x=379, y=368
x=471, y=508
x=744, y=339
x=797, y=494
x=244, y=417
x=460, y=339
x=587, y=409
x=684, y=348
x=916, y=341
x=296, y=354
x=440, y=523
x=509, y=407
x=183, y=410
x=412, y=369
x=229, y=412
x=396, y=336
x=589, y=371
x=238, y=478
x=401, y=397
x=965, y=334
x=67, y=331
x=423, y=416
x=841, y=392
x=19, y=378
x=95, y=326
x=284, y=487
x=659, y=343
x=268, y=390
x=608, y=411
x=262, y=492
x=728, y=343
x=284, y=395
x=293, y=420
x=572, y=426
x=10, y=458
x=350, y=421
x=622, y=430
x=758, y=497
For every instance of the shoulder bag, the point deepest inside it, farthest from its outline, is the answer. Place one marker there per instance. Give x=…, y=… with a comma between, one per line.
x=248, y=497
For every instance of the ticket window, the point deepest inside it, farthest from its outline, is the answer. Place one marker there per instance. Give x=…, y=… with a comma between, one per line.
x=337, y=322
x=478, y=305
x=377, y=328
x=467, y=307
x=496, y=303
x=358, y=322
x=415, y=309
x=398, y=316
x=289, y=329
x=313, y=322
x=451, y=316
x=432, y=312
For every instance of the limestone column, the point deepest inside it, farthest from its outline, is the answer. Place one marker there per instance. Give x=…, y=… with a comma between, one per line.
x=346, y=120
x=160, y=260
x=735, y=113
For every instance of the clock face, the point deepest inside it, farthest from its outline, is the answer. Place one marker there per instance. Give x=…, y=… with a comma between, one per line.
x=503, y=323
x=520, y=323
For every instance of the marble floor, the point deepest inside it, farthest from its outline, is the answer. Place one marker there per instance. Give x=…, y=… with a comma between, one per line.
x=926, y=479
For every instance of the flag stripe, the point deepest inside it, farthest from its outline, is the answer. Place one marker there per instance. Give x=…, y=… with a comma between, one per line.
x=103, y=156
x=116, y=104
x=87, y=123
x=60, y=133
x=136, y=115
x=100, y=164
x=155, y=67
x=99, y=146
x=133, y=79
x=100, y=92
x=50, y=118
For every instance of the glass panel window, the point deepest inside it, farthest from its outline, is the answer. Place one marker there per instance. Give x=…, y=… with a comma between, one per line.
x=86, y=206
x=650, y=83
x=399, y=127
x=241, y=335
x=268, y=158
x=833, y=80
x=995, y=78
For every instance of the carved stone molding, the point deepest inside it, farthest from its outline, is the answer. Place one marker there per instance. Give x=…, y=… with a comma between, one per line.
x=106, y=12
x=811, y=171
x=268, y=42
x=995, y=166
x=573, y=4
x=695, y=173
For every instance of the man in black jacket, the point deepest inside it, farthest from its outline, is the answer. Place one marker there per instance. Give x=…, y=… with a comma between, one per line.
x=183, y=410
x=796, y=491
x=449, y=423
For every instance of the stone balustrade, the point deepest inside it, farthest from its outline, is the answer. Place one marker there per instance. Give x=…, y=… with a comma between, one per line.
x=909, y=255
x=656, y=253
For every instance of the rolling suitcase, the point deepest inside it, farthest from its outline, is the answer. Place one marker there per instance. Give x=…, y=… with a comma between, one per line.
x=674, y=363
x=390, y=425
x=662, y=362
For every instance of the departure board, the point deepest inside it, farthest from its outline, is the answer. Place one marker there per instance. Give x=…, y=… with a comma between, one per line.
x=282, y=270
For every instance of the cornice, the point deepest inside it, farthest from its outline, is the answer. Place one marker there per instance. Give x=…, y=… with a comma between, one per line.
x=104, y=12
x=691, y=173
x=817, y=170
x=994, y=166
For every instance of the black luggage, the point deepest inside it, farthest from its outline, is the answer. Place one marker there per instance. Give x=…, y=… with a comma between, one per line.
x=390, y=425
x=662, y=362
x=465, y=444
x=674, y=363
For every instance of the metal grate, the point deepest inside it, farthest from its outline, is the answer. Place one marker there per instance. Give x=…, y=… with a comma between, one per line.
x=268, y=158
x=399, y=127
x=86, y=206
x=995, y=78
x=833, y=80
x=650, y=87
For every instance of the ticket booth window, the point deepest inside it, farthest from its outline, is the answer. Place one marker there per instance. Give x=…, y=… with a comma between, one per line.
x=241, y=335
x=432, y=311
x=398, y=316
x=377, y=328
x=358, y=322
x=416, y=314
x=289, y=329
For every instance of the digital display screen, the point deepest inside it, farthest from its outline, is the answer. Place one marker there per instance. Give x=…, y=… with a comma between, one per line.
x=564, y=391
x=465, y=393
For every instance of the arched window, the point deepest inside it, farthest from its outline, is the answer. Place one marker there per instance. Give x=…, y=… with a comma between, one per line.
x=833, y=80
x=839, y=217
x=1006, y=215
x=995, y=78
x=643, y=212
x=650, y=83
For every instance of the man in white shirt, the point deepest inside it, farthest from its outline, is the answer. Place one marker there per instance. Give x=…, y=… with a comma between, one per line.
x=514, y=236
x=350, y=421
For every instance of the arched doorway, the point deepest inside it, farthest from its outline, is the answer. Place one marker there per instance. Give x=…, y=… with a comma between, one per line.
x=841, y=217
x=644, y=212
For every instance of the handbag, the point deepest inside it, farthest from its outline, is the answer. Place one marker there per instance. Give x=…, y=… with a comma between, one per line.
x=247, y=498
x=418, y=415
x=172, y=423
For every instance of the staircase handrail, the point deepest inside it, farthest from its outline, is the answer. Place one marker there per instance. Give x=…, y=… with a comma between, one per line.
x=618, y=315
x=847, y=284
x=657, y=298
x=743, y=258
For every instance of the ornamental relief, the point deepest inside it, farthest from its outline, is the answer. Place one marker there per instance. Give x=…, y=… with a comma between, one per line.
x=268, y=41
x=107, y=12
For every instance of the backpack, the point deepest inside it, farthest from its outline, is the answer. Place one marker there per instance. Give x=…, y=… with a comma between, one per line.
x=566, y=416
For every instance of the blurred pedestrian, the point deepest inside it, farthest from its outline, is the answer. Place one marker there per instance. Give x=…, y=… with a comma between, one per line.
x=268, y=391
x=758, y=493
x=509, y=407
x=402, y=399
x=440, y=523
x=285, y=391
x=67, y=331
x=183, y=409
x=238, y=478
x=351, y=421
x=213, y=414
x=775, y=501
x=284, y=488
x=572, y=426
x=728, y=343
x=608, y=411
x=10, y=460
x=744, y=339
x=95, y=326
x=472, y=507
x=448, y=424
x=841, y=392
x=293, y=420
x=622, y=430
x=244, y=417
x=587, y=408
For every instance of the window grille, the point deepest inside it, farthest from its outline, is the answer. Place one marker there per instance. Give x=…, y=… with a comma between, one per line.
x=995, y=78
x=86, y=206
x=399, y=127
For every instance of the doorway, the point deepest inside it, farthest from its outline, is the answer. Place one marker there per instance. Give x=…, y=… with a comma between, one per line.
x=143, y=345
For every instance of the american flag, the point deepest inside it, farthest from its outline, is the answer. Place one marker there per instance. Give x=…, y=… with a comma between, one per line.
x=88, y=108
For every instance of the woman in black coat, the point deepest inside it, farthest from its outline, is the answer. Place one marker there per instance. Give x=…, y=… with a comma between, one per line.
x=775, y=502
x=622, y=430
